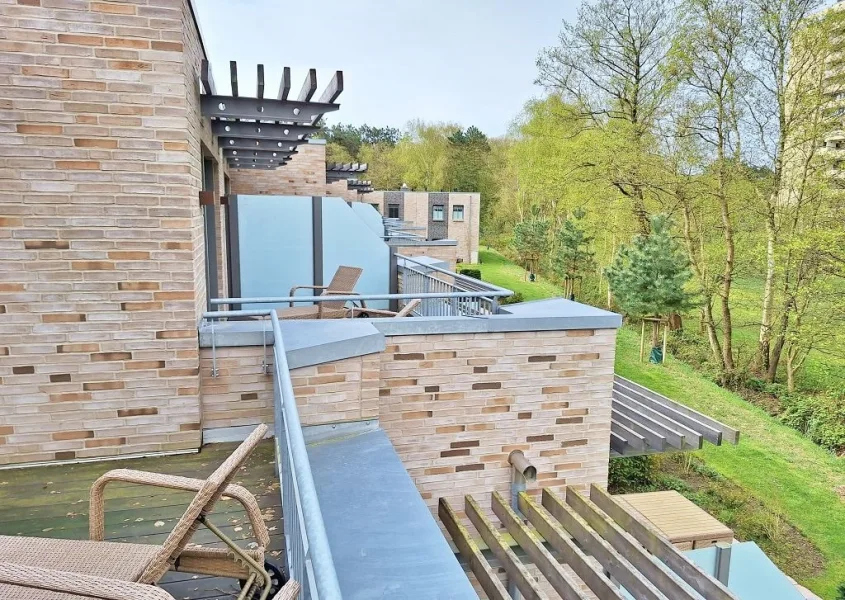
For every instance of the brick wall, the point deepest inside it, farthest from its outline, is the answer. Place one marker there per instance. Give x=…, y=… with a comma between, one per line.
x=102, y=266
x=465, y=232
x=242, y=394
x=447, y=254
x=454, y=405
x=304, y=175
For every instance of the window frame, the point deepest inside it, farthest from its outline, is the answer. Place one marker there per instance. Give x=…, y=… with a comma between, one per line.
x=456, y=207
x=438, y=208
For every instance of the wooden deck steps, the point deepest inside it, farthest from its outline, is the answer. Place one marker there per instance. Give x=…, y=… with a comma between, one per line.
x=52, y=501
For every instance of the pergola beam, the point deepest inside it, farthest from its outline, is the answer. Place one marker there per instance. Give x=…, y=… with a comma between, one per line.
x=612, y=561
x=284, y=85
x=258, y=130
x=233, y=75
x=270, y=154
x=228, y=107
x=551, y=569
x=666, y=581
x=471, y=553
x=234, y=143
x=333, y=90
x=259, y=92
x=571, y=554
x=502, y=551
x=308, y=87
x=206, y=78
x=659, y=546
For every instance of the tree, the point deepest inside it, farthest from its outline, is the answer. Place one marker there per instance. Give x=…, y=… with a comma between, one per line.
x=469, y=153
x=788, y=49
x=649, y=276
x=531, y=240
x=573, y=256
x=709, y=55
x=608, y=65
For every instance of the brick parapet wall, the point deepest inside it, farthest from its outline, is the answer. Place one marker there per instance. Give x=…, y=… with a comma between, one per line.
x=101, y=240
x=242, y=393
x=454, y=405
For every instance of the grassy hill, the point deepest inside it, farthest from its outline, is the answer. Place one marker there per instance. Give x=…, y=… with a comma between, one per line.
x=786, y=472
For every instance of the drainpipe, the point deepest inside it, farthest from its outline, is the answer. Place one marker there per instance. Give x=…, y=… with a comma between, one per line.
x=522, y=473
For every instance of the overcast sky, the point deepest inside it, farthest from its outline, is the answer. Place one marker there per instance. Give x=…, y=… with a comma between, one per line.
x=466, y=61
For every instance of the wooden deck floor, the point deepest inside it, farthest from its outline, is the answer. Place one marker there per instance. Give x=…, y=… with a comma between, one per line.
x=53, y=502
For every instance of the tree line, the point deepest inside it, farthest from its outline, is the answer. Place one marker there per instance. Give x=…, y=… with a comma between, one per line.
x=718, y=117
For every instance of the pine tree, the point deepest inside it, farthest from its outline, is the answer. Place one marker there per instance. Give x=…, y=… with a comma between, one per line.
x=531, y=240
x=573, y=256
x=649, y=275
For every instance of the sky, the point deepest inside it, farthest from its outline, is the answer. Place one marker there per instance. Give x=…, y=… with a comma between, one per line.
x=470, y=62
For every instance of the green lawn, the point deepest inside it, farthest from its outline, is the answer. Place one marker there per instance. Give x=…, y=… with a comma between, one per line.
x=497, y=269
x=773, y=462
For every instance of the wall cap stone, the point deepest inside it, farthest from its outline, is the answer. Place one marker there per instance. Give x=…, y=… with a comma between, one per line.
x=316, y=342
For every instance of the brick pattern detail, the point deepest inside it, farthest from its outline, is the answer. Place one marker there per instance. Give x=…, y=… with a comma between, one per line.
x=456, y=441
x=344, y=390
x=304, y=175
x=101, y=245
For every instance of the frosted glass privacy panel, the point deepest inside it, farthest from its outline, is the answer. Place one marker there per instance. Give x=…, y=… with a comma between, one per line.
x=273, y=249
x=347, y=240
x=370, y=216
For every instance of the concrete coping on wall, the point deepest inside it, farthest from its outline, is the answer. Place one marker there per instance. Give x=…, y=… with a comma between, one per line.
x=306, y=342
x=317, y=342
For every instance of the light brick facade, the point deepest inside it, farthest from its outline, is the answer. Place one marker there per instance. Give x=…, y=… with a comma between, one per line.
x=242, y=393
x=415, y=210
x=101, y=235
x=304, y=175
x=453, y=405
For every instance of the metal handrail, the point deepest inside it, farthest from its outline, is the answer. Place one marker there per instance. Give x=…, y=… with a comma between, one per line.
x=477, y=283
x=347, y=298
x=312, y=563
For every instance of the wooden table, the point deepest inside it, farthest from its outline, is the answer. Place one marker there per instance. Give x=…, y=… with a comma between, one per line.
x=685, y=525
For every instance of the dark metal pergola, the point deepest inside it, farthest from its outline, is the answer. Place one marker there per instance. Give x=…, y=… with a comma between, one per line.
x=359, y=185
x=261, y=132
x=340, y=171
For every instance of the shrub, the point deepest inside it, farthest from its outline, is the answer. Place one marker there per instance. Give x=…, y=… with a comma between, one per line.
x=840, y=591
x=821, y=418
x=631, y=474
x=515, y=299
x=474, y=273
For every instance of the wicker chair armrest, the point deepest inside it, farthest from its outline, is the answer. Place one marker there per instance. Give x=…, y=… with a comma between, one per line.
x=88, y=586
x=174, y=482
x=305, y=287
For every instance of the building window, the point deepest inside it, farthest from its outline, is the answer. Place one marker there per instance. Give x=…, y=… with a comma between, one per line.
x=376, y=206
x=392, y=211
x=437, y=212
x=458, y=212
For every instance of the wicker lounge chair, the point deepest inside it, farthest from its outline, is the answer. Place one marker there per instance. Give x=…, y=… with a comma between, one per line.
x=18, y=582
x=342, y=284
x=364, y=313
x=147, y=563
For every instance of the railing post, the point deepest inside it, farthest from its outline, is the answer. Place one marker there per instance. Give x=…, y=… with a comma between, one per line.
x=393, y=277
